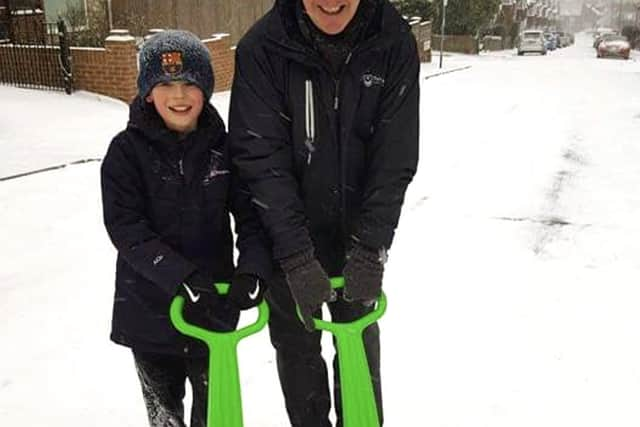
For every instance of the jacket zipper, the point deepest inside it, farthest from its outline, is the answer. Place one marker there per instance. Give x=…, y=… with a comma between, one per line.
x=180, y=168
x=309, y=119
x=342, y=144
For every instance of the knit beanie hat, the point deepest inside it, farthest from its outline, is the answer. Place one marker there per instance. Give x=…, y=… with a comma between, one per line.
x=174, y=55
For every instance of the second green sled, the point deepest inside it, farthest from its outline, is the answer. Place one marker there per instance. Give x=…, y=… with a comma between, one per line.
x=224, y=397
x=359, y=407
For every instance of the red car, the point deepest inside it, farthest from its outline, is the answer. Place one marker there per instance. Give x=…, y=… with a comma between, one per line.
x=614, y=45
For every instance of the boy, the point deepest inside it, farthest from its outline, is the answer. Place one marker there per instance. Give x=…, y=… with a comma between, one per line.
x=167, y=191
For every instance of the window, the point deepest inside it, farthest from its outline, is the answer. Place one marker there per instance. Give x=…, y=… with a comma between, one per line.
x=56, y=8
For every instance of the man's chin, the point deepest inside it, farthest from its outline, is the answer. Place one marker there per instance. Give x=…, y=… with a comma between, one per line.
x=332, y=28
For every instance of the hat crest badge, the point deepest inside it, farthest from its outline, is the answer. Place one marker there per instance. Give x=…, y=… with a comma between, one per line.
x=172, y=63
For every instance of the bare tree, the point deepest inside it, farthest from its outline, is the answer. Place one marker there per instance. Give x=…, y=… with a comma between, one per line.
x=87, y=27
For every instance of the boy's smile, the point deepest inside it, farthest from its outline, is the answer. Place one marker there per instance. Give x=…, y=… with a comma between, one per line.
x=179, y=104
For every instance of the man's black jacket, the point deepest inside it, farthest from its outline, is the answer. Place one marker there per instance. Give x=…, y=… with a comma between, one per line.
x=166, y=208
x=327, y=157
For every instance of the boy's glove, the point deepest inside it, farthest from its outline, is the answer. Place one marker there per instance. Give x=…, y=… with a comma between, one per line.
x=246, y=291
x=201, y=297
x=363, y=274
x=309, y=284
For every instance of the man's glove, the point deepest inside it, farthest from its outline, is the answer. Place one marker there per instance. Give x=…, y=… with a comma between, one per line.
x=363, y=274
x=309, y=284
x=201, y=298
x=246, y=291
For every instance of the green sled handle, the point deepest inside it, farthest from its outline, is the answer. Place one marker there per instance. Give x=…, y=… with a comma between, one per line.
x=359, y=407
x=224, y=398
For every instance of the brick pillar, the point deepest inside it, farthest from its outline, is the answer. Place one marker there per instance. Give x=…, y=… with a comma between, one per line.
x=425, y=49
x=222, y=59
x=415, y=29
x=422, y=32
x=120, y=67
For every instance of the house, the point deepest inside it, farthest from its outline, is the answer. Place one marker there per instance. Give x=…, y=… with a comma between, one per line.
x=4, y=21
x=202, y=17
x=571, y=16
x=55, y=8
x=22, y=21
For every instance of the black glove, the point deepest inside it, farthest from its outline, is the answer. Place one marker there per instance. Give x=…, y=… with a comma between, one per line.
x=309, y=284
x=363, y=274
x=246, y=291
x=201, y=298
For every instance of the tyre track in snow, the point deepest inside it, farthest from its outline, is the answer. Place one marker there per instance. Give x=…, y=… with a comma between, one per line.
x=552, y=224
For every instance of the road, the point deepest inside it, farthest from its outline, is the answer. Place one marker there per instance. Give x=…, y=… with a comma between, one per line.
x=519, y=246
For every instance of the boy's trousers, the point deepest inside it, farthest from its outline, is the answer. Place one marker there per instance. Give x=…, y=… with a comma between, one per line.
x=163, y=387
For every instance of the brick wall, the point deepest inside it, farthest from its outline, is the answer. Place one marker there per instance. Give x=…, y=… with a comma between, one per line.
x=113, y=70
x=492, y=43
x=462, y=44
x=223, y=60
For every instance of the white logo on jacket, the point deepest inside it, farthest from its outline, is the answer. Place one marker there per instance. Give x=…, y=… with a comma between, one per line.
x=214, y=168
x=369, y=80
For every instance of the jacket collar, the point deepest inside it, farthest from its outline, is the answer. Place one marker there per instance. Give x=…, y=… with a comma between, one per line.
x=188, y=155
x=144, y=119
x=284, y=32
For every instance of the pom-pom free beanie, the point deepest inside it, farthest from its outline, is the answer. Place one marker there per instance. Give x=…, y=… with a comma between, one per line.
x=174, y=55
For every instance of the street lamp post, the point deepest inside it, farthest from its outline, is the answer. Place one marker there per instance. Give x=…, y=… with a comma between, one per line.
x=444, y=18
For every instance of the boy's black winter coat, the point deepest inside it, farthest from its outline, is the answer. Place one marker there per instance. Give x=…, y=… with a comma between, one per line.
x=166, y=207
x=327, y=156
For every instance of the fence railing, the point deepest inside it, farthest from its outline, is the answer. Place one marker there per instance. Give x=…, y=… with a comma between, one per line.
x=37, y=56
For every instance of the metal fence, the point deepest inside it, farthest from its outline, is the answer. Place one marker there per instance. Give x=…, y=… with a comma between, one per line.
x=37, y=55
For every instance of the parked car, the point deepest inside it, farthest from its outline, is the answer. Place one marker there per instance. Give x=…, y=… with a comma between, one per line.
x=613, y=45
x=600, y=33
x=564, y=39
x=550, y=41
x=531, y=41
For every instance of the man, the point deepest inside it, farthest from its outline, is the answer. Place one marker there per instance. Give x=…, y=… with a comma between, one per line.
x=324, y=130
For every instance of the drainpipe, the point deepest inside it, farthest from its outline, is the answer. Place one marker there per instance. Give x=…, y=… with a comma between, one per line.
x=109, y=15
x=444, y=17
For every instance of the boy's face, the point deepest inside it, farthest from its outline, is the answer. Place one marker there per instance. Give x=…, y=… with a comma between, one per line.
x=331, y=16
x=178, y=103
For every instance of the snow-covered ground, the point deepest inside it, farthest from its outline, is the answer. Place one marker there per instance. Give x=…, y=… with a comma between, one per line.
x=512, y=282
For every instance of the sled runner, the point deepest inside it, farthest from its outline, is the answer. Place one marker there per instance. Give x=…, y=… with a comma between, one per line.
x=358, y=401
x=224, y=398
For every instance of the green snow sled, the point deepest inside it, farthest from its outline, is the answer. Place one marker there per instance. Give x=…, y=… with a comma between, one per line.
x=358, y=400
x=224, y=398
